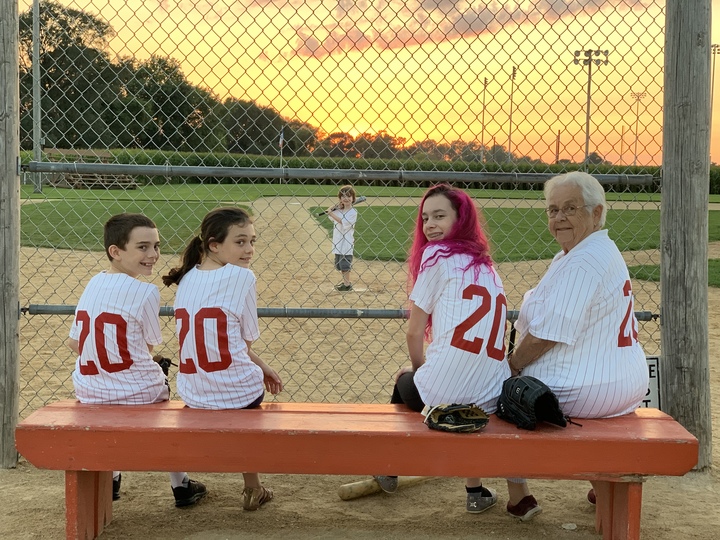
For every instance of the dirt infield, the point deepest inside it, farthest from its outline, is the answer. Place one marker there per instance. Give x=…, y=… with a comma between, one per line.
x=320, y=360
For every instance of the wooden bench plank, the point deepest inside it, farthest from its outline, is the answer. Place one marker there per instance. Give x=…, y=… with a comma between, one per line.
x=345, y=439
x=88, y=441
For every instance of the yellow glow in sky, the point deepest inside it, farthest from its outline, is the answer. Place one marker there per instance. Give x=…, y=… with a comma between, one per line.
x=418, y=69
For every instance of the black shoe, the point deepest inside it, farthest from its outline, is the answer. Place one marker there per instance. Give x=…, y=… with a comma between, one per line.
x=344, y=288
x=186, y=496
x=116, y=487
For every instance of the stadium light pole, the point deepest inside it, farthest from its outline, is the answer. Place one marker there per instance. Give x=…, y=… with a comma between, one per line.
x=512, y=88
x=597, y=57
x=638, y=96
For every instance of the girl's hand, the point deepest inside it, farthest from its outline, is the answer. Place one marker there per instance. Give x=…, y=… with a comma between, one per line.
x=402, y=371
x=272, y=381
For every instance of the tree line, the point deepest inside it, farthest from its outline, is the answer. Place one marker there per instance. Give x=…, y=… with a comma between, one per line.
x=90, y=100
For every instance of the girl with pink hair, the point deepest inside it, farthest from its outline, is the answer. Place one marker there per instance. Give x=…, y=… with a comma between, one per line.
x=458, y=306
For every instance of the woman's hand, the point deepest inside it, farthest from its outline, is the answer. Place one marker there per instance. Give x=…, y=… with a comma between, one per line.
x=402, y=371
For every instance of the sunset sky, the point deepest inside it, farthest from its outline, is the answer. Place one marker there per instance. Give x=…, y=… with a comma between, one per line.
x=417, y=68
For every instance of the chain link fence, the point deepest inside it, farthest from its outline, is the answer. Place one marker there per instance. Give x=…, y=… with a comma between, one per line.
x=175, y=109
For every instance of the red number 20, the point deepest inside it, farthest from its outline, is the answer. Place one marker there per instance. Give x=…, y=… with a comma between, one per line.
x=497, y=333
x=628, y=331
x=90, y=367
x=187, y=365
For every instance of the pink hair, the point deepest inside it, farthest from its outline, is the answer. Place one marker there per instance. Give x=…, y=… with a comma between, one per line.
x=465, y=237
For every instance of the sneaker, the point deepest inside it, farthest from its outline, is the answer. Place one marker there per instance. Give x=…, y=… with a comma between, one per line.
x=116, y=487
x=525, y=509
x=477, y=503
x=344, y=288
x=254, y=498
x=187, y=496
x=388, y=484
x=591, y=497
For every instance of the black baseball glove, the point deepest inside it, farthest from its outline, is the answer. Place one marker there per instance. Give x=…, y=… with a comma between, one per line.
x=525, y=401
x=456, y=418
x=164, y=363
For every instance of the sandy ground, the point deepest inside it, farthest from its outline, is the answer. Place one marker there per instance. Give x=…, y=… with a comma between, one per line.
x=322, y=360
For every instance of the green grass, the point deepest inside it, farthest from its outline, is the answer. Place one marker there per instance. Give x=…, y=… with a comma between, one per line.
x=77, y=224
x=71, y=219
x=516, y=234
x=651, y=272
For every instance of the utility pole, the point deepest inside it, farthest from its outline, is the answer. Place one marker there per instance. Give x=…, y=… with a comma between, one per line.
x=512, y=88
x=482, y=127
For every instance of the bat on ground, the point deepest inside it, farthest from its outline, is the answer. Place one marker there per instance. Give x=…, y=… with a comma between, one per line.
x=359, y=200
x=355, y=490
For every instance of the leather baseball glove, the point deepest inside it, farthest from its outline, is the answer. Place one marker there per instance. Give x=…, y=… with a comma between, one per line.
x=525, y=401
x=456, y=418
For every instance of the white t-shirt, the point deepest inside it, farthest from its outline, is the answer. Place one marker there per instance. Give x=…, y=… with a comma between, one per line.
x=344, y=232
x=215, y=313
x=465, y=362
x=116, y=318
x=585, y=303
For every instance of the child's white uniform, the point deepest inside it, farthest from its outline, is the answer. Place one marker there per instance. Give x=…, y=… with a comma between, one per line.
x=585, y=303
x=215, y=313
x=116, y=318
x=344, y=232
x=464, y=363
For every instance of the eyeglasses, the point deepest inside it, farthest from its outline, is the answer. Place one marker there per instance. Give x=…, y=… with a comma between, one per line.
x=567, y=211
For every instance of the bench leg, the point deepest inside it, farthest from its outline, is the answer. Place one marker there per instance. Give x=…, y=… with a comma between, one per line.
x=88, y=503
x=618, y=508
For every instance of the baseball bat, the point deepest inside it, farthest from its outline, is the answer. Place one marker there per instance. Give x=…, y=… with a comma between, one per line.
x=359, y=200
x=361, y=488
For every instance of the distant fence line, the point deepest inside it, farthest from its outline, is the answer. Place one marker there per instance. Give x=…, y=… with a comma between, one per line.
x=285, y=173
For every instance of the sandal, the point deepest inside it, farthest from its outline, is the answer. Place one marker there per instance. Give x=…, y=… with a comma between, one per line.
x=254, y=498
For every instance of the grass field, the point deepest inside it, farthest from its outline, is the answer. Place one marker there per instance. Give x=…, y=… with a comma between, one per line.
x=651, y=272
x=68, y=219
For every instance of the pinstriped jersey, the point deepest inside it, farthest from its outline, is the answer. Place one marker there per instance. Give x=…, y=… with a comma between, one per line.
x=215, y=313
x=585, y=303
x=344, y=232
x=464, y=362
x=115, y=320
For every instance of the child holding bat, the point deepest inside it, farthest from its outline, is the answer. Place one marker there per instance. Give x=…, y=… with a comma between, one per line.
x=344, y=217
x=458, y=304
x=216, y=322
x=115, y=329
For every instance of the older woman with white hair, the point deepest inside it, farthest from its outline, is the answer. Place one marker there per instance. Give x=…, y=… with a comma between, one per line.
x=577, y=330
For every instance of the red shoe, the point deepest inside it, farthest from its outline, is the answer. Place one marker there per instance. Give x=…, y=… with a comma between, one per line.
x=591, y=496
x=525, y=509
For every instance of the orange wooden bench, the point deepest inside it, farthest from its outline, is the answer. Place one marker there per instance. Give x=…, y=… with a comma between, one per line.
x=87, y=441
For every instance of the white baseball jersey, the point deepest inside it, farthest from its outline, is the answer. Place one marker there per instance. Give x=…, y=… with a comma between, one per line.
x=215, y=312
x=116, y=318
x=464, y=363
x=344, y=232
x=585, y=303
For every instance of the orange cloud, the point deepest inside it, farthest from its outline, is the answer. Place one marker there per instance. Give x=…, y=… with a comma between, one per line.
x=394, y=24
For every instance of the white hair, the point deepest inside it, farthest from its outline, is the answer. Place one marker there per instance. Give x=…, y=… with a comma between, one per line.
x=591, y=190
